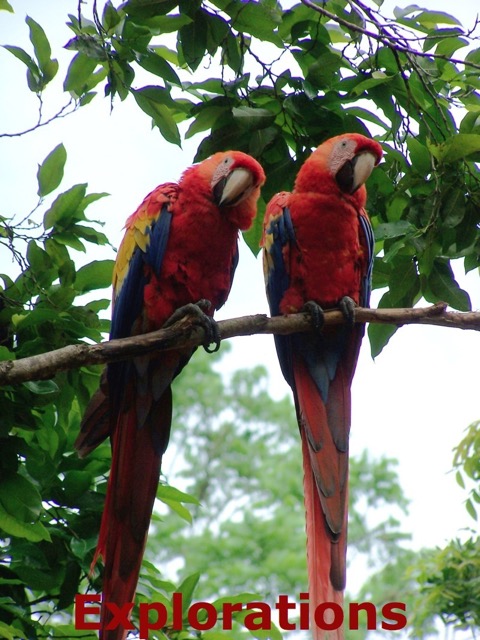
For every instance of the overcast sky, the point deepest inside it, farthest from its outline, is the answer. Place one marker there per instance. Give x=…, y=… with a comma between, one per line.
x=413, y=403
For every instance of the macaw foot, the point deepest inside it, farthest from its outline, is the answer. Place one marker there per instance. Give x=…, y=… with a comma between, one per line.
x=316, y=313
x=347, y=307
x=208, y=324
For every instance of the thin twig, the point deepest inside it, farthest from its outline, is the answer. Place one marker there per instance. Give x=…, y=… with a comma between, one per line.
x=389, y=41
x=62, y=113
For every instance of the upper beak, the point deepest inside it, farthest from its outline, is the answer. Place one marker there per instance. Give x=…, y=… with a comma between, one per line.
x=356, y=172
x=364, y=165
x=233, y=188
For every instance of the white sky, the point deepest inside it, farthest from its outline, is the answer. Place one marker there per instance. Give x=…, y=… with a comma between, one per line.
x=413, y=403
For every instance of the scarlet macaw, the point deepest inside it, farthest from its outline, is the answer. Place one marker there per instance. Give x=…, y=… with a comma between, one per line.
x=180, y=246
x=318, y=250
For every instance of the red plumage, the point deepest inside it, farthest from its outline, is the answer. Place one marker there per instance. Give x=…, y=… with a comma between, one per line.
x=180, y=246
x=318, y=248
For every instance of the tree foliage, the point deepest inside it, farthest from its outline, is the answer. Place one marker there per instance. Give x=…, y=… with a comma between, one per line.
x=272, y=79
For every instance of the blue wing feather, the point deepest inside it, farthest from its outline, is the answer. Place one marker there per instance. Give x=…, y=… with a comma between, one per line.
x=129, y=303
x=278, y=281
x=320, y=353
x=130, y=300
x=367, y=229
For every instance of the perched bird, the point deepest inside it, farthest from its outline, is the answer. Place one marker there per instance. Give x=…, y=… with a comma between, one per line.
x=318, y=253
x=180, y=247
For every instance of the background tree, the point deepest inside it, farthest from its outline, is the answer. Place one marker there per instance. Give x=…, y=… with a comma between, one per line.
x=278, y=80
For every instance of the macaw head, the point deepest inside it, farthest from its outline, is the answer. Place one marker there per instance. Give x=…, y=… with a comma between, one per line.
x=233, y=180
x=342, y=163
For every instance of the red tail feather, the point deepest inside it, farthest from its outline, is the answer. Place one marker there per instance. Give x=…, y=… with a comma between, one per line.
x=320, y=550
x=123, y=532
x=325, y=486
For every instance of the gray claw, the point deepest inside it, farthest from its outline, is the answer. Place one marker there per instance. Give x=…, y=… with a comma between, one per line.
x=316, y=313
x=347, y=307
x=209, y=325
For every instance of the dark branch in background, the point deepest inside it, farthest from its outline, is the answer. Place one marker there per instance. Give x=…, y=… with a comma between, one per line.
x=391, y=41
x=187, y=333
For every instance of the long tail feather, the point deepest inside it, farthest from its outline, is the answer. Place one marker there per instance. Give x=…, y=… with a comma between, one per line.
x=131, y=491
x=324, y=429
x=320, y=552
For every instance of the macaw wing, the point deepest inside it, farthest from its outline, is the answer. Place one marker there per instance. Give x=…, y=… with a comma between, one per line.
x=321, y=356
x=367, y=241
x=139, y=256
x=278, y=238
x=143, y=246
x=223, y=298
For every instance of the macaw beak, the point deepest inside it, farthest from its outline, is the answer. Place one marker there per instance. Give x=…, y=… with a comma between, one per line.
x=233, y=188
x=356, y=172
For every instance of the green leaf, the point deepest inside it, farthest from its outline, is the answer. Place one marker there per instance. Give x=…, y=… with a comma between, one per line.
x=257, y=19
x=444, y=286
x=420, y=156
x=453, y=207
x=33, y=532
x=324, y=70
x=166, y=491
x=152, y=101
x=110, y=17
x=65, y=206
x=179, y=509
x=5, y=6
x=70, y=240
x=50, y=172
x=253, y=118
x=41, y=265
x=404, y=282
x=76, y=483
x=42, y=387
x=41, y=45
x=95, y=275
x=387, y=230
x=20, y=498
x=205, y=119
x=193, y=38
x=458, y=147
x=79, y=72
x=187, y=588
x=364, y=85
x=379, y=336
x=42, y=49
x=430, y=19
x=156, y=64
x=471, y=509
x=6, y=354
x=460, y=480
x=7, y=631
x=22, y=55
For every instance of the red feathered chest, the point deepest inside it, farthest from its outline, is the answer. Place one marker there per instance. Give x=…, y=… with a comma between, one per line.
x=328, y=260
x=198, y=261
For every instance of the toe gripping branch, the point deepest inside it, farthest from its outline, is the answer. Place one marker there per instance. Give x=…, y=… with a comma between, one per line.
x=347, y=307
x=316, y=313
x=197, y=312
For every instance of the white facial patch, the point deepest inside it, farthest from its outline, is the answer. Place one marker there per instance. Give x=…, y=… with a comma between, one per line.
x=222, y=170
x=342, y=152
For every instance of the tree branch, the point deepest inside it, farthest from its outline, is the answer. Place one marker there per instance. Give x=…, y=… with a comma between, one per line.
x=393, y=42
x=187, y=333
